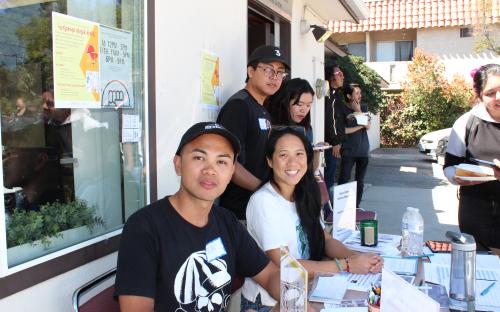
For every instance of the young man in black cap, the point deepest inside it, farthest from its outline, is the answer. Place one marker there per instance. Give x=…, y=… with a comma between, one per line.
x=245, y=116
x=180, y=253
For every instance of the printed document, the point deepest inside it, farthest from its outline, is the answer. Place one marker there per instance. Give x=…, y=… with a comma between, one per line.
x=399, y=295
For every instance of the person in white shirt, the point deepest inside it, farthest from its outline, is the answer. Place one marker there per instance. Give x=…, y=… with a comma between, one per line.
x=286, y=211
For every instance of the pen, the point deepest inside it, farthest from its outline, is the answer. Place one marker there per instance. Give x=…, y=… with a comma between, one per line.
x=487, y=289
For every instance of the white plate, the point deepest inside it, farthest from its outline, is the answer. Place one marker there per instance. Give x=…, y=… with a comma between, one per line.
x=477, y=178
x=321, y=147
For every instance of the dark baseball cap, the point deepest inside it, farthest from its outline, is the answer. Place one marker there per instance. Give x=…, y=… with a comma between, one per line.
x=268, y=54
x=206, y=128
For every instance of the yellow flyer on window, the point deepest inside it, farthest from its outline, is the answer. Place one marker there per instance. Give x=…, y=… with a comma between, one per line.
x=210, y=80
x=76, y=62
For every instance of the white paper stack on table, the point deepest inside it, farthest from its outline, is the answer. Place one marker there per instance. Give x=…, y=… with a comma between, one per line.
x=487, y=271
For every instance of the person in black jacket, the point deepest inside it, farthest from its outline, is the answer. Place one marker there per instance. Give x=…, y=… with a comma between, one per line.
x=334, y=123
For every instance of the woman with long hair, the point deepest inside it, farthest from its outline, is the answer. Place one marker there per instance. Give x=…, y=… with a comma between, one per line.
x=291, y=106
x=286, y=211
x=356, y=147
x=476, y=135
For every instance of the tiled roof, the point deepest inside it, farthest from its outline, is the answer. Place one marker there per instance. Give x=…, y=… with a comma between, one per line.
x=411, y=14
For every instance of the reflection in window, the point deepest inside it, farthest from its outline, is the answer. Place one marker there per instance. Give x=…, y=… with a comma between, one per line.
x=67, y=174
x=357, y=49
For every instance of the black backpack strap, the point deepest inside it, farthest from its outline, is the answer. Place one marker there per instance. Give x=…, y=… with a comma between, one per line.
x=471, y=123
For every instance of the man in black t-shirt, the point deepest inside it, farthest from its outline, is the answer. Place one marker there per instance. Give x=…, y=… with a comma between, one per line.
x=245, y=116
x=180, y=253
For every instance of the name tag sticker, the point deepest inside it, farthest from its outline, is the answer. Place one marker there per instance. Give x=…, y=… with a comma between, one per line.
x=263, y=123
x=215, y=249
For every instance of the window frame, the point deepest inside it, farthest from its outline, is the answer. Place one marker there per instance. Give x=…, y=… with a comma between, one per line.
x=30, y=273
x=466, y=32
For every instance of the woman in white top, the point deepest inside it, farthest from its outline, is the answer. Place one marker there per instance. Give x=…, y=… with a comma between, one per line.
x=286, y=211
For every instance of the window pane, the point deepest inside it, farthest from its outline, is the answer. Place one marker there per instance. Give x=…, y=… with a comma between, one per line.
x=357, y=49
x=70, y=174
x=404, y=50
x=385, y=51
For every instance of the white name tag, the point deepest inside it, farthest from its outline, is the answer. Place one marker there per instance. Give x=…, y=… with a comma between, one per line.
x=215, y=249
x=264, y=124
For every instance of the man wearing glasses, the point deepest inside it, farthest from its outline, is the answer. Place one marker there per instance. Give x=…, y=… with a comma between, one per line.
x=334, y=123
x=245, y=116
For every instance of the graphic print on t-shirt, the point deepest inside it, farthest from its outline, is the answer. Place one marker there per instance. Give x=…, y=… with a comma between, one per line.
x=199, y=285
x=302, y=242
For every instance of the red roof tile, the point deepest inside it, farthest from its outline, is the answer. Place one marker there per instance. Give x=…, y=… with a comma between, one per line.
x=411, y=14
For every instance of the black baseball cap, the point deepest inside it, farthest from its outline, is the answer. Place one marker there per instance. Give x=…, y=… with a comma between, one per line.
x=267, y=54
x=206, y=128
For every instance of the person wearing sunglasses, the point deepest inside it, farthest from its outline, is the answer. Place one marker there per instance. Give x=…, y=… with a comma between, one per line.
x=334, y=123
x=291, y=105
x=286, y=211
x=245, y=116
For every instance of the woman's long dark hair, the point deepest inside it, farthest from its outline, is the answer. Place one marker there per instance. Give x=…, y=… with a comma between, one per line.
x=306, y=195
x=278, y=105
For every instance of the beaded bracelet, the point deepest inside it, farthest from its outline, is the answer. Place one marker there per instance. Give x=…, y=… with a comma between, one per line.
x=339, y=265
x=347, y=269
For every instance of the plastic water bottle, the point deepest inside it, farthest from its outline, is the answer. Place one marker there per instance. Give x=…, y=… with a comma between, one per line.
x=412, y=230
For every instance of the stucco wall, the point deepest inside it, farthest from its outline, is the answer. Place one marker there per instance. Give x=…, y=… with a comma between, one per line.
x=178, y=68
x=456, y=53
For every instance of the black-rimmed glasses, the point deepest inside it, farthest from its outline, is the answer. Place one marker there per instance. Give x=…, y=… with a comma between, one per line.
x=271, y=73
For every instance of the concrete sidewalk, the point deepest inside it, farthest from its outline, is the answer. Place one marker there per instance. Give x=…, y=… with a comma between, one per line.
x=398, y=178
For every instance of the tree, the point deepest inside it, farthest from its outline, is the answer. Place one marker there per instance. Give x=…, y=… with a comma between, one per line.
x=355, y=71
x=486, y=31
x=428, y=102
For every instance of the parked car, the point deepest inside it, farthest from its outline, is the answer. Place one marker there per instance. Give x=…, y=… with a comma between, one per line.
x=441, y=150
x=429, y=143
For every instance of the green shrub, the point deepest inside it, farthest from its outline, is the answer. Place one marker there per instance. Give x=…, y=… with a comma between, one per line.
x=30, y=226
x=428, y=102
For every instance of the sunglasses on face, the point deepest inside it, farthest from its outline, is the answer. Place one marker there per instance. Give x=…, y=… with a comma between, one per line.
x=280, y=128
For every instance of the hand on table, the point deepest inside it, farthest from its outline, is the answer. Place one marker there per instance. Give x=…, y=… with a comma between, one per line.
x=364, y=263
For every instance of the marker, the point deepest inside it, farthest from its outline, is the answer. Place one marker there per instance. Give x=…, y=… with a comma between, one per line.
x=487, y=289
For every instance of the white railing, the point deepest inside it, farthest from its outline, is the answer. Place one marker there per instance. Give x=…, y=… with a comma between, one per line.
x=392, y=72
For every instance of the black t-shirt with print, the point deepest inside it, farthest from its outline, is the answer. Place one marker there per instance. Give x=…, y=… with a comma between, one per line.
x=250, y=122
x=162, y=256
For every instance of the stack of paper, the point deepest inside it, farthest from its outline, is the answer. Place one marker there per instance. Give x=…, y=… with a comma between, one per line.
x=387, y=244
x=330, y=288
x=487, y=271
x=401, y=265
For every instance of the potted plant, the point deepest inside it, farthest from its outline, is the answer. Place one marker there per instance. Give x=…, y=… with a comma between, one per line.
x=49, y=222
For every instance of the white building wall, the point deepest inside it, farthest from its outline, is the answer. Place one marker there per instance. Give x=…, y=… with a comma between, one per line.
x=308, y=61
x=182, y=33
x=456, y=53
x=55, y=294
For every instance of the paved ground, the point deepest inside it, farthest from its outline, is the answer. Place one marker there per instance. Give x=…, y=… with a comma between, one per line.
x=398, y=178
